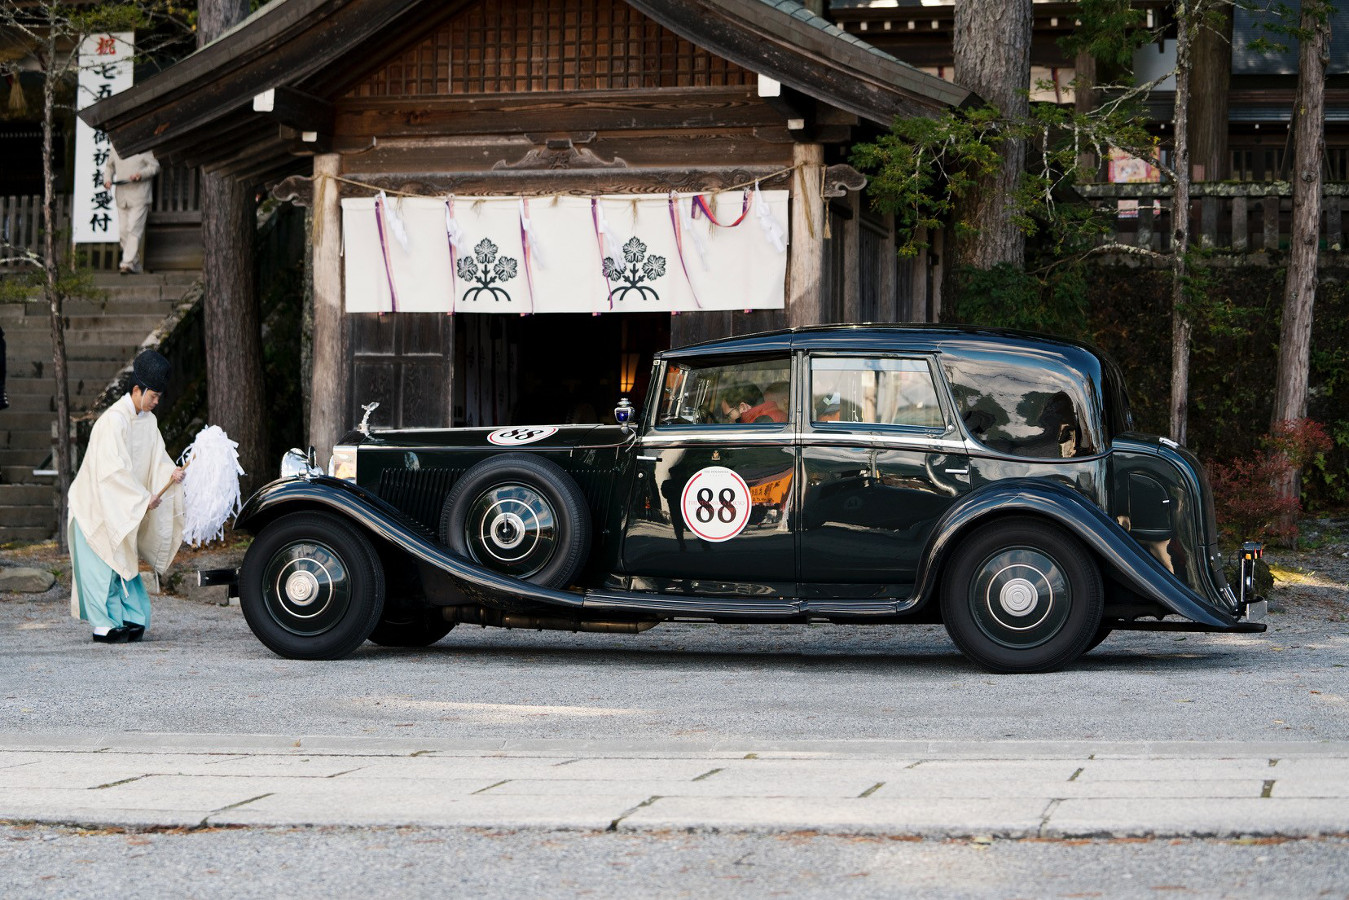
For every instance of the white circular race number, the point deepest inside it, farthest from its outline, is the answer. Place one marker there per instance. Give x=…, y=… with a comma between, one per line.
x=514, y=437
x=716, y=504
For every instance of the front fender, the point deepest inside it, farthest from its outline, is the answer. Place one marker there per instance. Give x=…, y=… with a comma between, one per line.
x=1124, y=557
x=388, y=524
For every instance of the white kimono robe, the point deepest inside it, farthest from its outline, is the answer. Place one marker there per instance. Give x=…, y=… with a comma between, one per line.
x=125, y=465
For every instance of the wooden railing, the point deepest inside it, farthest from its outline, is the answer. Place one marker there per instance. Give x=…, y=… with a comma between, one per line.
x=21, y=228
x=1236, y=217
x=177, y=202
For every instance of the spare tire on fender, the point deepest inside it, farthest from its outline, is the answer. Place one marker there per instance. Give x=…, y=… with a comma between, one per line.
x=519, y=515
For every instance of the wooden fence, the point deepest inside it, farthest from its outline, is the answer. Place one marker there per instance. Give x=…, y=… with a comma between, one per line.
x=1236, y=217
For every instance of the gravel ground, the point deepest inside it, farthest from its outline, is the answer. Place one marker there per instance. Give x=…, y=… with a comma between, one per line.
x=340, y=863
x=201, y=671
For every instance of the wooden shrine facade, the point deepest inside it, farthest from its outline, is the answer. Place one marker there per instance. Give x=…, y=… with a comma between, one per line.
x=323, y=100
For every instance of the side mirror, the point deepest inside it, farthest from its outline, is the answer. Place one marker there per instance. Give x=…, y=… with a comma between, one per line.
x=623, y=415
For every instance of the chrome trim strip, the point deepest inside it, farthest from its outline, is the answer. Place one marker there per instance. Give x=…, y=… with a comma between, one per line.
x=719, y=438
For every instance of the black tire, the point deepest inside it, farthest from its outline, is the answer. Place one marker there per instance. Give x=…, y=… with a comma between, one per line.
x=521, y=516
x=1102, y=633
x=1022, y=595
x=311, y=586
x=415, y=628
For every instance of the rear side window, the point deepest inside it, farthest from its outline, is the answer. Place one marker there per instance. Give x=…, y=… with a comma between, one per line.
x=1033, y=408
x=745, y=392
x=873, y=392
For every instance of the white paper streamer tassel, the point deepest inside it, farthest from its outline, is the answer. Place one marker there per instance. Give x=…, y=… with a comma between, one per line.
x=693, y=231
x=771, y=229
x=400, y=232
x=210, y=485
x=535, y=245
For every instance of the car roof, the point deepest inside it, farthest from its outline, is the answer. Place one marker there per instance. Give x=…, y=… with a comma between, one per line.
x=887, y=337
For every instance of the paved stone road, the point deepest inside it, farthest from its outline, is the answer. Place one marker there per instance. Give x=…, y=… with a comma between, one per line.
x=930, y=789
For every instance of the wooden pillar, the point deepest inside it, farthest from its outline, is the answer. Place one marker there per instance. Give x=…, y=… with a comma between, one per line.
x=328, y=418
x=805, y=262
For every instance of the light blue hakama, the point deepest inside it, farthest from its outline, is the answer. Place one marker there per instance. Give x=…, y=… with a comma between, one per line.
x=107, y=600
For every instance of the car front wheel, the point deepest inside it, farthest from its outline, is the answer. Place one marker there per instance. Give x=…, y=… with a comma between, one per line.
x=311, y=586
x=1022, y=595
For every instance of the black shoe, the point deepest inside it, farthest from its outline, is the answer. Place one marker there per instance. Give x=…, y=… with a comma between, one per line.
x=134, y=632
x=116, y=636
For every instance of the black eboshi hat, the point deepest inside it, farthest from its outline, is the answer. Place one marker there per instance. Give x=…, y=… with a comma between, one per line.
x=151, y=371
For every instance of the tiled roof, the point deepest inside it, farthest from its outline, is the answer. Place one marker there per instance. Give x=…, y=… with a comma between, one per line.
x=794, y=9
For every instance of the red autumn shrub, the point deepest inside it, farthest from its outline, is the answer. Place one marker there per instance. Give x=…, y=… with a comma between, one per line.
x=1245, y=491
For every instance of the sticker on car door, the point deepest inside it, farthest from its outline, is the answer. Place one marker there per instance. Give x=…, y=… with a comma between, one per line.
x=715, y=504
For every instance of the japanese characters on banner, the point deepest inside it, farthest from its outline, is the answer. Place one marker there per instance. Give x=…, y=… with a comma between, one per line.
x=628, y=253
x=105, y=65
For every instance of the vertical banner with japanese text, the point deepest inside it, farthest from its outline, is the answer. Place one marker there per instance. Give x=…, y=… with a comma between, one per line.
x=105, y=68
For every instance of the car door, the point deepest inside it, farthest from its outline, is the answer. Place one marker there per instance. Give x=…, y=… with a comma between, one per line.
x=881, y=461
x=713, y=495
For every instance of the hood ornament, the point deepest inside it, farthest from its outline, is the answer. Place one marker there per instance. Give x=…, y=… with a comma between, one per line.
x=364, y=427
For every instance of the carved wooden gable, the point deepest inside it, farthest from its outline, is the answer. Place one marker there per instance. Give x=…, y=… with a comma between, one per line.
x=528, y=46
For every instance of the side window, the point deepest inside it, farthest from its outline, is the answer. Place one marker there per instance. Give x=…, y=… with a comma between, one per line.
x=754, y=392
x=1031, y=409
x=874, y=392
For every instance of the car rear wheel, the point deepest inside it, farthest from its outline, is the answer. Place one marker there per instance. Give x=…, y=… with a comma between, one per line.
x=311, y=586
x=416, y=628
x=1022, y=595
x=521, y=516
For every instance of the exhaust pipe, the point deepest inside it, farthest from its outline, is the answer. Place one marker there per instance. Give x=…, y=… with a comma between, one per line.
x=477, y=615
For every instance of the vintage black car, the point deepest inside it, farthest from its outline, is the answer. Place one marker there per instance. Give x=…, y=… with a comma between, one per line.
x=868, y=474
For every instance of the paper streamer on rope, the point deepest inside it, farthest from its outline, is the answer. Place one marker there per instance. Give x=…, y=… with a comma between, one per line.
x=679, y=246
x=381, y=204
x=771, y=229
x=608, y=245
x=454, y=235
x=210, y=485
x=529, y=249
x=694, y=232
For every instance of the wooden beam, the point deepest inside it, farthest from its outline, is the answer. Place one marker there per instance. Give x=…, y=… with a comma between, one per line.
x=295, y=109
x=659, y=109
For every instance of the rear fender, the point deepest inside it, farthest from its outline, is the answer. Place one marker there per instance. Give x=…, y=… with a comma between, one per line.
x=387, y=524
x=1119, y=554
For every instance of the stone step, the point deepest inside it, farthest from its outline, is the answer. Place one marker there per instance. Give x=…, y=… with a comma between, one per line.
x=25, y=440
x=18, y=420
x=116, y=279
x=21, y=516
x=11, y=474
x=27, y=533
x=24, y=459
x=27, y=495
x=77, y=369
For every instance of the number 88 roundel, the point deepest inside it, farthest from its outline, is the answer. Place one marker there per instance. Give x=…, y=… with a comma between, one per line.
x=715, y=504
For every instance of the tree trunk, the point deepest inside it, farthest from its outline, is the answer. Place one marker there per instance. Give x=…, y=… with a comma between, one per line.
x=992, y=59
x=1180, y=226
x=64, y=461
x=1209, y=84
x=234, y=367
x=1299, y=290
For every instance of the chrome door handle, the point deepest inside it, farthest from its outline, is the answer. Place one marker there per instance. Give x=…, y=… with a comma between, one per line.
x=965, y=471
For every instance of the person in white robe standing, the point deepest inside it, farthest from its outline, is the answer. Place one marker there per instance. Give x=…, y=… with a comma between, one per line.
x=117, y=516
x=132, y=179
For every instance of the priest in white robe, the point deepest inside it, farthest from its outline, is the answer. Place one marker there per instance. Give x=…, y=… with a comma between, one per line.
x=118, y=516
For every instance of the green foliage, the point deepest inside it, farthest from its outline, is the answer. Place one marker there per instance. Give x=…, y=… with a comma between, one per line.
x=1110, y=30
x=1233, y=360
x=1004, y=296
